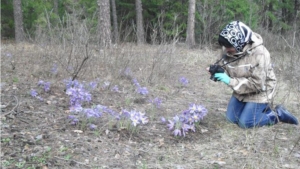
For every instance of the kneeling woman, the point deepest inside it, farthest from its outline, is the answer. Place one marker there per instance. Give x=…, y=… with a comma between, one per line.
x=248, y=71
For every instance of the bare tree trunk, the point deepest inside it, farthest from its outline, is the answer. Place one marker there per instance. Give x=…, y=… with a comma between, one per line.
x=18, y=17
x=139, y=22
x=284, y=13
x=115, y=22
x=190, y=32
x=270, y=26
x=104, y=25
x=296, y=15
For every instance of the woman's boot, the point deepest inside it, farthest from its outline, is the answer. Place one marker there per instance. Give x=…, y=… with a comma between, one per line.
x=285, y=116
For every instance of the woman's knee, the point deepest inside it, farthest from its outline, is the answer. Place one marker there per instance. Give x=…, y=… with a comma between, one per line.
x=231, y=118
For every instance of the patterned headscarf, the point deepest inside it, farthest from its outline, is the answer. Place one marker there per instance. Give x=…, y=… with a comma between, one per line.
x=237, y=34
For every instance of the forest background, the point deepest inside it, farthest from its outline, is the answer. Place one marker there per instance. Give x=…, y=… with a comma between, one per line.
x=151, y=21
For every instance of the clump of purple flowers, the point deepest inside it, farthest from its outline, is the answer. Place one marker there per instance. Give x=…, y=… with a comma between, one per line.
x=78, y=95
x=156, y=102
x=95, y=111
x=73, y=119
x=34, y=93
x=181, y=124
x=115, y=89
x=46, y=85
x=140, y=90
x=135, y=117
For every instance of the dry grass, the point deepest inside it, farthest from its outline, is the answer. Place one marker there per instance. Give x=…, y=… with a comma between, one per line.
x=215, y=144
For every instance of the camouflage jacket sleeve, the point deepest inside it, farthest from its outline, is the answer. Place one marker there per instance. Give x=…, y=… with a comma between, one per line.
x=249, y=75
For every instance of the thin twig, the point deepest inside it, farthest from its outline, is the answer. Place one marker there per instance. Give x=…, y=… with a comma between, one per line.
x=295, y=145
x=12, y=110
x=82, y=63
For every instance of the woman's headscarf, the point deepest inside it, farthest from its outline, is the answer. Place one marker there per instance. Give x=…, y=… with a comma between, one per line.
x=237, y=34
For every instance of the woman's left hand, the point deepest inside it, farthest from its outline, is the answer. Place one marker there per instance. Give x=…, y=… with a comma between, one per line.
x=222, y=77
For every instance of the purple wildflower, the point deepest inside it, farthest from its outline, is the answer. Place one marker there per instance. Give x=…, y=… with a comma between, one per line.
x=171, y=125
x=177, y=132
x=33, y=93
x=135, y=120
x=93, y=85
x=163, y=120
x=9, y=55
x=127, y=71
x=71, y=117
x=106, y=84
x=76, y=107
x=185, y=128
x=142, y=90
x=92, y=126
x=69, y=83
x=115, y=89
x=74, y=121
x=39, y=98
x=54, y=69
x=157, y=102
x=135, y=82
x=135, y=117
x=186, y=121
x=183, y=81
x=47, y=86
x=41, y=82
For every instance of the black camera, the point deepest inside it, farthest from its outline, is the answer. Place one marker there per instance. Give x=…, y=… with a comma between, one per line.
x=215, y=69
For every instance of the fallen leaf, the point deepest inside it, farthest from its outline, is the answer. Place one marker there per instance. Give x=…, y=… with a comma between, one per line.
x=106, y=131
x=26, y=147
x=161, y=142
x=218, y=162
x=3, y=106
x=221, y=109
x=204, y=130
x=117, y=156
x=297, y=155
x=283, y=138
x=39, y=137
x=286, y=166
x=244, y=152
x=30, y=107
x=78, y=131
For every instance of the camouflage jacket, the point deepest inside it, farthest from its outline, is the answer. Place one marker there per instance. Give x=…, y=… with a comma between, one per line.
x=252, y=76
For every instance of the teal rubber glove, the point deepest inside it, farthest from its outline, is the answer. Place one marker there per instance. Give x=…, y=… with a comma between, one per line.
x=222, y=77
